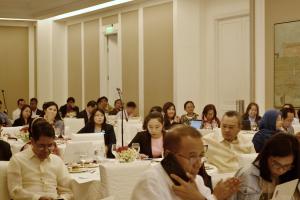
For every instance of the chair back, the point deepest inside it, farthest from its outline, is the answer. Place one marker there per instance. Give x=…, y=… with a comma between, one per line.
x=73, y=125
x=119, y=179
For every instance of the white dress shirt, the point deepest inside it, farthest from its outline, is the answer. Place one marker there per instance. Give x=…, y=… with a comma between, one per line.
x=156, y=184
x=16, y=114
x=30, y=178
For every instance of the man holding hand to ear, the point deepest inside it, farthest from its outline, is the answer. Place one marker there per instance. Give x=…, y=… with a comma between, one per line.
x=176, y=176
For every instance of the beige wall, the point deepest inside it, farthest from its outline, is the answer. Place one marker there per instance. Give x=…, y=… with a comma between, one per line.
x=110, y=20
x=74, y=63
x=14, y=67
x=158, y=55
x=91, y=60
x=130, y=56
x=276, y=11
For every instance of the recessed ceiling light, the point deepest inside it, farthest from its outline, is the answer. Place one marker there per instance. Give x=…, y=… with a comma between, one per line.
x=90, y=9
x=17, y=19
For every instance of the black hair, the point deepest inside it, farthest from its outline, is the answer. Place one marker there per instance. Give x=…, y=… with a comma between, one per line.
x=187, y=102
x=153, y=115
x=285, y=111
x=71, y=99
x=246, y=114
x=41, y=127
x=131, y=104
x=34, y=99
x=19, y=100
x=21, y=114
x=156, y=109
x=101, y=98
x=91, y=104
x=233, y=113
x=47, y=105
x=279, y=145
x=91, y=122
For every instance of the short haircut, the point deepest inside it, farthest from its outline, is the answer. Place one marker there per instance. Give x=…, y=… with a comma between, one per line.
x=288, y=105
x=102, y=98
x=40, y=128
x=34, y=99
x=153, y=115
x=71, y=99
x=172, y=139
x=279, y=145
x=19, y=100
x=91, y=104
x=285, y=111
x=187, y=102
x=131, y=104
x=233, y=113
x=156, y=109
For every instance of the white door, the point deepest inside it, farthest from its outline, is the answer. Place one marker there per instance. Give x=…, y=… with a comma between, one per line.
x=114, y=70
x=233, y=62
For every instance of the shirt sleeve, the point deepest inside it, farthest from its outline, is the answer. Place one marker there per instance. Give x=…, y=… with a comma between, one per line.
x=64, y=183
x=14, y=182
x=205, y=191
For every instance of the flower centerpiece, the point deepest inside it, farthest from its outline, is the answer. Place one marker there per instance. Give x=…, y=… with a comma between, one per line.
x=24, y=134
x=126, y=154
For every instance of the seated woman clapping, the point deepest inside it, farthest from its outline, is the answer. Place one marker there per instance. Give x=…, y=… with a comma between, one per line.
x=151, y=140
x=277, y=163
x=97, y=124
x=25, y=116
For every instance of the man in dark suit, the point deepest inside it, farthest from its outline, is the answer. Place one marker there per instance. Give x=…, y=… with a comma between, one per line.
x=69, y=109
x=86, y=113
x=5, y=152
x=34, y=109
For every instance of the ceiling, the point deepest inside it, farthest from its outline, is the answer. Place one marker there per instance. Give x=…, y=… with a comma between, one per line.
x=41, y=9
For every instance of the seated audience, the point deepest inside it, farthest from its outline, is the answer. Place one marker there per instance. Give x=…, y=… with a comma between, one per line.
x=25, y=116
x=157, y=109
x=151, y=140
x=35, y=173
x=97, y=124
x=278, y=162
x=295, y=120
x=223, y=149
x=190, y=115
x=16, y=113
x=86, y=113
x=184, y=144
x=129, y=111
x=251, y=118
x=3, y=117
x=270, y=124
x=34, y=109
x=209, y=117
x=50, y=113
x=69, y=109
x=170, y=117
x=118, y=106
x=102, y=103
x=287, y=115
x=5, y=151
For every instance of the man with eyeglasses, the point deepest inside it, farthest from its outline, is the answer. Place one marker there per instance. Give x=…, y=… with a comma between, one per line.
x=35, y=173
x=184, y=143
x=224, y=149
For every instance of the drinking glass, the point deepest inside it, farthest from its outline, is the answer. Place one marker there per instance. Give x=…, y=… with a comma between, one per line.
x=83, y=158
x=136, y=147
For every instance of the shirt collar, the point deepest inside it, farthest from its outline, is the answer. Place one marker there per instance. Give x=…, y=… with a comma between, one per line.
x=30, y=154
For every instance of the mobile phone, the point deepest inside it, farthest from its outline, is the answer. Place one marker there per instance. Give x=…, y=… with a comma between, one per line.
x=171, y=166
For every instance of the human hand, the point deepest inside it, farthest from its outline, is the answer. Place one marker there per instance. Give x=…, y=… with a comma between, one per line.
x=177, y=119
x=225, y=189
x=143, y=156
x=186, y=190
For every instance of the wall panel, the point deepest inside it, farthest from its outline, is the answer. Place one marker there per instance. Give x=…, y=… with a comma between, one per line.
x=158, y=55
x=91, y=60
x=14, y=69
x=130, y=56
x=74, y=63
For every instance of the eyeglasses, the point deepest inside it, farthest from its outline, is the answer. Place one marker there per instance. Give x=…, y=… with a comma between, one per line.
x=276, y=165
x=49, y=147
x=193, y=159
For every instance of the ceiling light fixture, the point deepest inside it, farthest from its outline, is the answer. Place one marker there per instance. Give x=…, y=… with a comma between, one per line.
x=90, y=9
